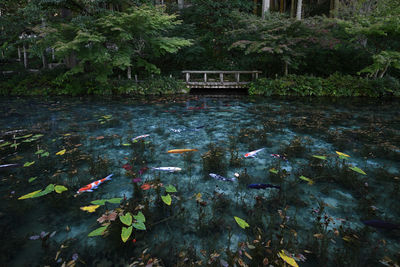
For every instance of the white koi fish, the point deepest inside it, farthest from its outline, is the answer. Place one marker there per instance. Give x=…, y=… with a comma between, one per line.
x=140, y=137
x=252, y=154
x=168, y=169
x=222, y=178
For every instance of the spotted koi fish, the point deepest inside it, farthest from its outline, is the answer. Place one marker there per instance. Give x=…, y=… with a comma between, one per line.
x=253, y=153
x=90, y=187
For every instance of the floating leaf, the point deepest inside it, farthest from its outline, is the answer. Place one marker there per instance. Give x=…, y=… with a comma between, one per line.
x=170, y=189
x=242, y=223
x=125, y=144
x=287, y=259
x=310, y=182
x=36, y=136
x=98, y=202
x=126, y=219
x=98, y=231
x=29, y=140
x=126, y=233
x=67, y=134
x=356, y=169
x=319, y=157
x=15, y=145
x=60, y=188
x=27, y=164
x=139, y=217
x=139, y=225
x=342, y=154
x=5, y=144
x=61, y=152
x=40, y=151
x=91, y=208
x=32, y=179
x=45, y=154
x=115, y=200
x=198, y=197
x=30, y=195
x=167, y=199
x=26, y=136
x=47, y=190
x=273, y=170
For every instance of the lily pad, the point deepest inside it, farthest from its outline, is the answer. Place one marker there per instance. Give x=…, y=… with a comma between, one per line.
x=319, y=157
x=98, y=231
x=60, y=188
x=167, y=199
x=126, y=219
x=139, y=226
x=170, y=189
x=356, y=169
x=139, y=217
x=27, y=164
x=126, y=233
x=242, y=223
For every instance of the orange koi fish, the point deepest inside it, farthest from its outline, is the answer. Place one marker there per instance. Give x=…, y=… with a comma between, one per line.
x=90, y=187
x=182, y=150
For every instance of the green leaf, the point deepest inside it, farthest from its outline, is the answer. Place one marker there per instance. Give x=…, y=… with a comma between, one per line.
x=126, y=233
x=273, y=170
x=5, y=144
x=30, y=195
x=60, y=188
x=27, y=164
x=125, y=144
x=98, y=202
x=36, y=136
x=167, y=199
x=32, y=179
x=115, y=200
x=139, y=217
x=47, y=190
x=170, y=189
x=319, y=157
x=343, y=157
x=126, y=219
x=98, y=231
x=356, y=169
x=242, y=223
x=139, y=225
x=15, y=145
x=45, y=154
x=40, y=151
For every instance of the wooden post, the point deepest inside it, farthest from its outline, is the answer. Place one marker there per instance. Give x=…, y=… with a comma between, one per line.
x=187, y=77
x=205, y=77
x=237, y=76
x=256, y=75
x=221, y=77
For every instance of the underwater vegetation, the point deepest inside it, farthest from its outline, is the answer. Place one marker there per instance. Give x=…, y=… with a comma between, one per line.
x=168, y=182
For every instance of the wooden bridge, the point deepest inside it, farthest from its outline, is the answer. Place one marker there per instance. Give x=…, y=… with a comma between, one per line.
x=219, y=78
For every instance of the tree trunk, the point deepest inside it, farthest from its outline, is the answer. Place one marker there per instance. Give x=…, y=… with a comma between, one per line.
x=282, y=7
x=25, y=57
x=129, y=72
x=299, y=6
x=265, y=7
x=180, y=4
x=331, y=8
x=336, y=8
x=292, y=9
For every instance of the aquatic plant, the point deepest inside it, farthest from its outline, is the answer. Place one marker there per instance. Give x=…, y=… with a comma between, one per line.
x=214, y=160
x=39, y=193
x=242, y=223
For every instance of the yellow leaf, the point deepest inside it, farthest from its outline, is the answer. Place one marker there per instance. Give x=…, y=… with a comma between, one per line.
x=198, y=197
x=342, y=154
x=62, y=152
x=29, y=195
x=90, y=208
x=287, y=259
x=67, y=134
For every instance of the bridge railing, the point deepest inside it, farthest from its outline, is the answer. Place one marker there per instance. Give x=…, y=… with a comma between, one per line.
x=222, y=78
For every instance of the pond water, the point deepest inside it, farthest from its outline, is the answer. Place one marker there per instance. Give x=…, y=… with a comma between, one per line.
x=329, y=169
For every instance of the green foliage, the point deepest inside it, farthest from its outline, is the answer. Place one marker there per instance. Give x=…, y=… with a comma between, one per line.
x=126, y=219
x=126, y=233
x=98, y=231
x=334, y=85
x=242, y=223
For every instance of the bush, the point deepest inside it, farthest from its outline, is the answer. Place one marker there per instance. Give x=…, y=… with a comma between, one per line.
x=335, y=85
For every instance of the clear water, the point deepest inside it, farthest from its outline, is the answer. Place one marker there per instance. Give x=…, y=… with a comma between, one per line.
x=322, y=221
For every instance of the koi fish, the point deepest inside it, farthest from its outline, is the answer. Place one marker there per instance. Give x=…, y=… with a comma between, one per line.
x=140, y=137
x=10, y=165
x=90, y=187
x=263, y=186
x=182, y=150
x=168, y=169
x=221, y=178
x=252, y=154
x=277, y=156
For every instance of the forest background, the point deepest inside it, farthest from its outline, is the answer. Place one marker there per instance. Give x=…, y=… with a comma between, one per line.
x=303, y=47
